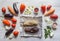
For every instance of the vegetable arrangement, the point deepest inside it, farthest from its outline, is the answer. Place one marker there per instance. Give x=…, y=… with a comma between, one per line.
x=51, y=20
x=7, y=24
x=46, y=11
x=8, y=18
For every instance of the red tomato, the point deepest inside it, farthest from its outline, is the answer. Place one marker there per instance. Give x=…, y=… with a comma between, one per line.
x=43, y=8
x=4, y=10
x=15, y=33
x=48, y=7
x=13, y=25
x=22, y=8
x=6, y=22
x=54, y=16
x=14, y=20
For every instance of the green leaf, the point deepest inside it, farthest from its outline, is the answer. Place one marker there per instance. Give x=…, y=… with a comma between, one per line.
x=48, y=27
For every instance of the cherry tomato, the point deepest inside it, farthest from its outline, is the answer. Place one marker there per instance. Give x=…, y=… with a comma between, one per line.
x=14, y=20
x=48, y=7
x=4, y=10
x=43, y=8
x=13, y=25
x=15, y=33
x=54, y=16
x=22, y=8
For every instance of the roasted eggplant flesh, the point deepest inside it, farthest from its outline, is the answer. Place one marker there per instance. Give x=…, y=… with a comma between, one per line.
x=30, y=23
x=32, y=30
x=8, y=16
x=8, y=32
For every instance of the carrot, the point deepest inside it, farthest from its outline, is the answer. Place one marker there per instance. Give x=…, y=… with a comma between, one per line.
x=6, y=22
x=51, y=11
x=11, y=10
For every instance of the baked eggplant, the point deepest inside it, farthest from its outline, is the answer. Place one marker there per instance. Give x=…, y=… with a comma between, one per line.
x=32, y=30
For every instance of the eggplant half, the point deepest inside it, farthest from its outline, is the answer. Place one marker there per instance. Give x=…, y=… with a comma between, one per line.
x=15, y=7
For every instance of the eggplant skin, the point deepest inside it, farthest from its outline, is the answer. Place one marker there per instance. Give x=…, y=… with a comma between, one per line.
x=8, y=32
x=15, y=8
x=8, y=16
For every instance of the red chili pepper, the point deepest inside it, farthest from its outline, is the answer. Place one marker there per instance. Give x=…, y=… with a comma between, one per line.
x=43, y=8
x=22, y=8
